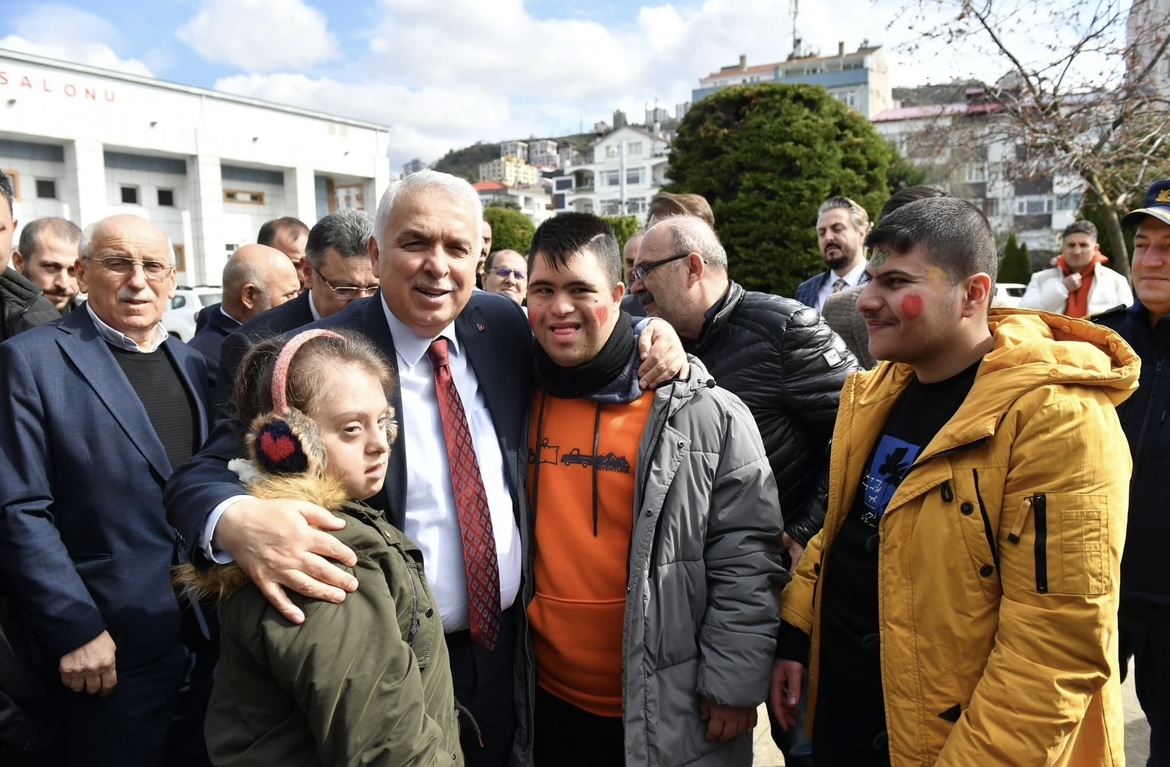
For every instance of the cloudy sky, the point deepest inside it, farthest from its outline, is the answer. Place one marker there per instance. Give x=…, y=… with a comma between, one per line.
x=446, y=73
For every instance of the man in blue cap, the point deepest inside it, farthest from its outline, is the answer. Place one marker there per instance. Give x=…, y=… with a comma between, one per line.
x=1144, y=619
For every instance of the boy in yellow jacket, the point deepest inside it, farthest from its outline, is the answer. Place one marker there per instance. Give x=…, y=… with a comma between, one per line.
x=961, y=600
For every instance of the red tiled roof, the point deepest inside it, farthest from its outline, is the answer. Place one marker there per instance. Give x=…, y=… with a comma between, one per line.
x=488, y=186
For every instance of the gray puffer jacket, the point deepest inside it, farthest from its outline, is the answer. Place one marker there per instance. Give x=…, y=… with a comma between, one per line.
x=701, y=612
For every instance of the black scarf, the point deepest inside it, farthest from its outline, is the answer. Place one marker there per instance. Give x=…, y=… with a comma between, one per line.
x=613, y=370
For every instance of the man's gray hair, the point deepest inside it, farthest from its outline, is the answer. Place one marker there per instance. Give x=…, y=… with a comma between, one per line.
x=458, y=188
x=60, y=228
x=346, y=231
x=691, y=234
x=85, y=244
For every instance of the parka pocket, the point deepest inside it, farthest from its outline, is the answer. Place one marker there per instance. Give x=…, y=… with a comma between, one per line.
x=1070, y=542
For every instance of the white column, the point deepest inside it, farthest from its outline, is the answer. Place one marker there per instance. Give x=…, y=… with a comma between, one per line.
x=381, y=174
x=300, y=193
x=85, y=181
x=205, y=252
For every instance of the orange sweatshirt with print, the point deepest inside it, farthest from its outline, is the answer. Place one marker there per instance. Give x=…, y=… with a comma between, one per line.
x=582, y=461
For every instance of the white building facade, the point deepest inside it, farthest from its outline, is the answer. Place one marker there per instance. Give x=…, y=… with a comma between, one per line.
x=860, y=79
x=628, y=168
x=209, y=168
x=533, y=201
x=509, y=170
x=969, y=154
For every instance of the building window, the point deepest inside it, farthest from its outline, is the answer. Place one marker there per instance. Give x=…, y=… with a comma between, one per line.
x=612, y=151
x=848, y=98
x=166, y=198
x=611, y=178
x=239, y=195
x=1033, y=205
x=991, y=207
x=180, y=258
x=561, y=184
x=976, y=173
x=230, y=248
x=46, y=189
x=634, y=147
x=611, y=207
x=633, y=175
x=1070, y=201
x=129, y=195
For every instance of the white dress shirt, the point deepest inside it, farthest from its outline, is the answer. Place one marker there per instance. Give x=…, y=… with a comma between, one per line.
x=123, y=341
x=431, y=519
x=852, y=278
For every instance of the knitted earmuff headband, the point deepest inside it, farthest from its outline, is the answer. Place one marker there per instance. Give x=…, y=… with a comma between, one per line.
x=284, y=362
x=285, y=441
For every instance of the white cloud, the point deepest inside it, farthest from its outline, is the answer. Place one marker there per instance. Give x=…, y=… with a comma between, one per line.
x=260, y=35
x=445, y=75
x=59, y=31
x=424, y=122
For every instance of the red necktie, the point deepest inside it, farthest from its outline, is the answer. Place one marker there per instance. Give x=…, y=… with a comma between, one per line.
x=475, y=521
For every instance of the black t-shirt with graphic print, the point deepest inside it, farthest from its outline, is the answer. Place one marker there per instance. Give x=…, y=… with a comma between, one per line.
x=850, y=716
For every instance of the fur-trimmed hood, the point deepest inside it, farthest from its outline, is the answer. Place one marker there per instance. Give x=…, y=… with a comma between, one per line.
x=221, y=581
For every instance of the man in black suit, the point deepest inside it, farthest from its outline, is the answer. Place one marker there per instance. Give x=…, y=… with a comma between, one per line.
x=255, y=279
x=339, y=271
x=425, y=248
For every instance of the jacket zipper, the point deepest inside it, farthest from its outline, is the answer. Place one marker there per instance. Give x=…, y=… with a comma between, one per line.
x=1147, y=415
x=987, y=530
x=1040, y=510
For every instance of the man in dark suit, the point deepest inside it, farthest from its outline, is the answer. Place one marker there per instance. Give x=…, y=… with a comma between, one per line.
x=425, y=249
x=841, y=228
x=339, y=271
x=255, y=279
x=99, y=409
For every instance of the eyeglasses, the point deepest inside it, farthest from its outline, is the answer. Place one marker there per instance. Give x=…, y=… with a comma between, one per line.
x=505, y=272
x=640, y=272
x=348, y=291
x=155, y=271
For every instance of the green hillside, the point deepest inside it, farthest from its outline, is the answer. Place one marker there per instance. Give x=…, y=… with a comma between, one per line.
x=465, y=162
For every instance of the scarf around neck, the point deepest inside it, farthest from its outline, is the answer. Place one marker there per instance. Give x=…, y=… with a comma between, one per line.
x=610, y=376
x=1078, y=300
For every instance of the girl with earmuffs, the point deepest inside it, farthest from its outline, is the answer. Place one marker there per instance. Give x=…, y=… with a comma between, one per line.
x=366, y=681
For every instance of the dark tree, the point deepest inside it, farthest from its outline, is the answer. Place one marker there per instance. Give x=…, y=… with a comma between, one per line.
x=511, y=230
x=624, y=227
x=1016, y=265
x=766, y=156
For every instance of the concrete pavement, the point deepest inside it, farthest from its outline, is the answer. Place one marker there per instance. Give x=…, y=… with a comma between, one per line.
x=1137, y=734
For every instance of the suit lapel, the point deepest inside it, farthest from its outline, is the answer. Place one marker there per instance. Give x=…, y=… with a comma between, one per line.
x=477, y=342
x=95, y=362
x=198, y=395
x=474, y=336
x=374, y=327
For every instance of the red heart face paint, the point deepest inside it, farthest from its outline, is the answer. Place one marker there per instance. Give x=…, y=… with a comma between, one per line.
x=912, y=307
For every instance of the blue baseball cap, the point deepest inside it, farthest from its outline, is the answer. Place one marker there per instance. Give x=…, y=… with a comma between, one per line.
x=1157, y=205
